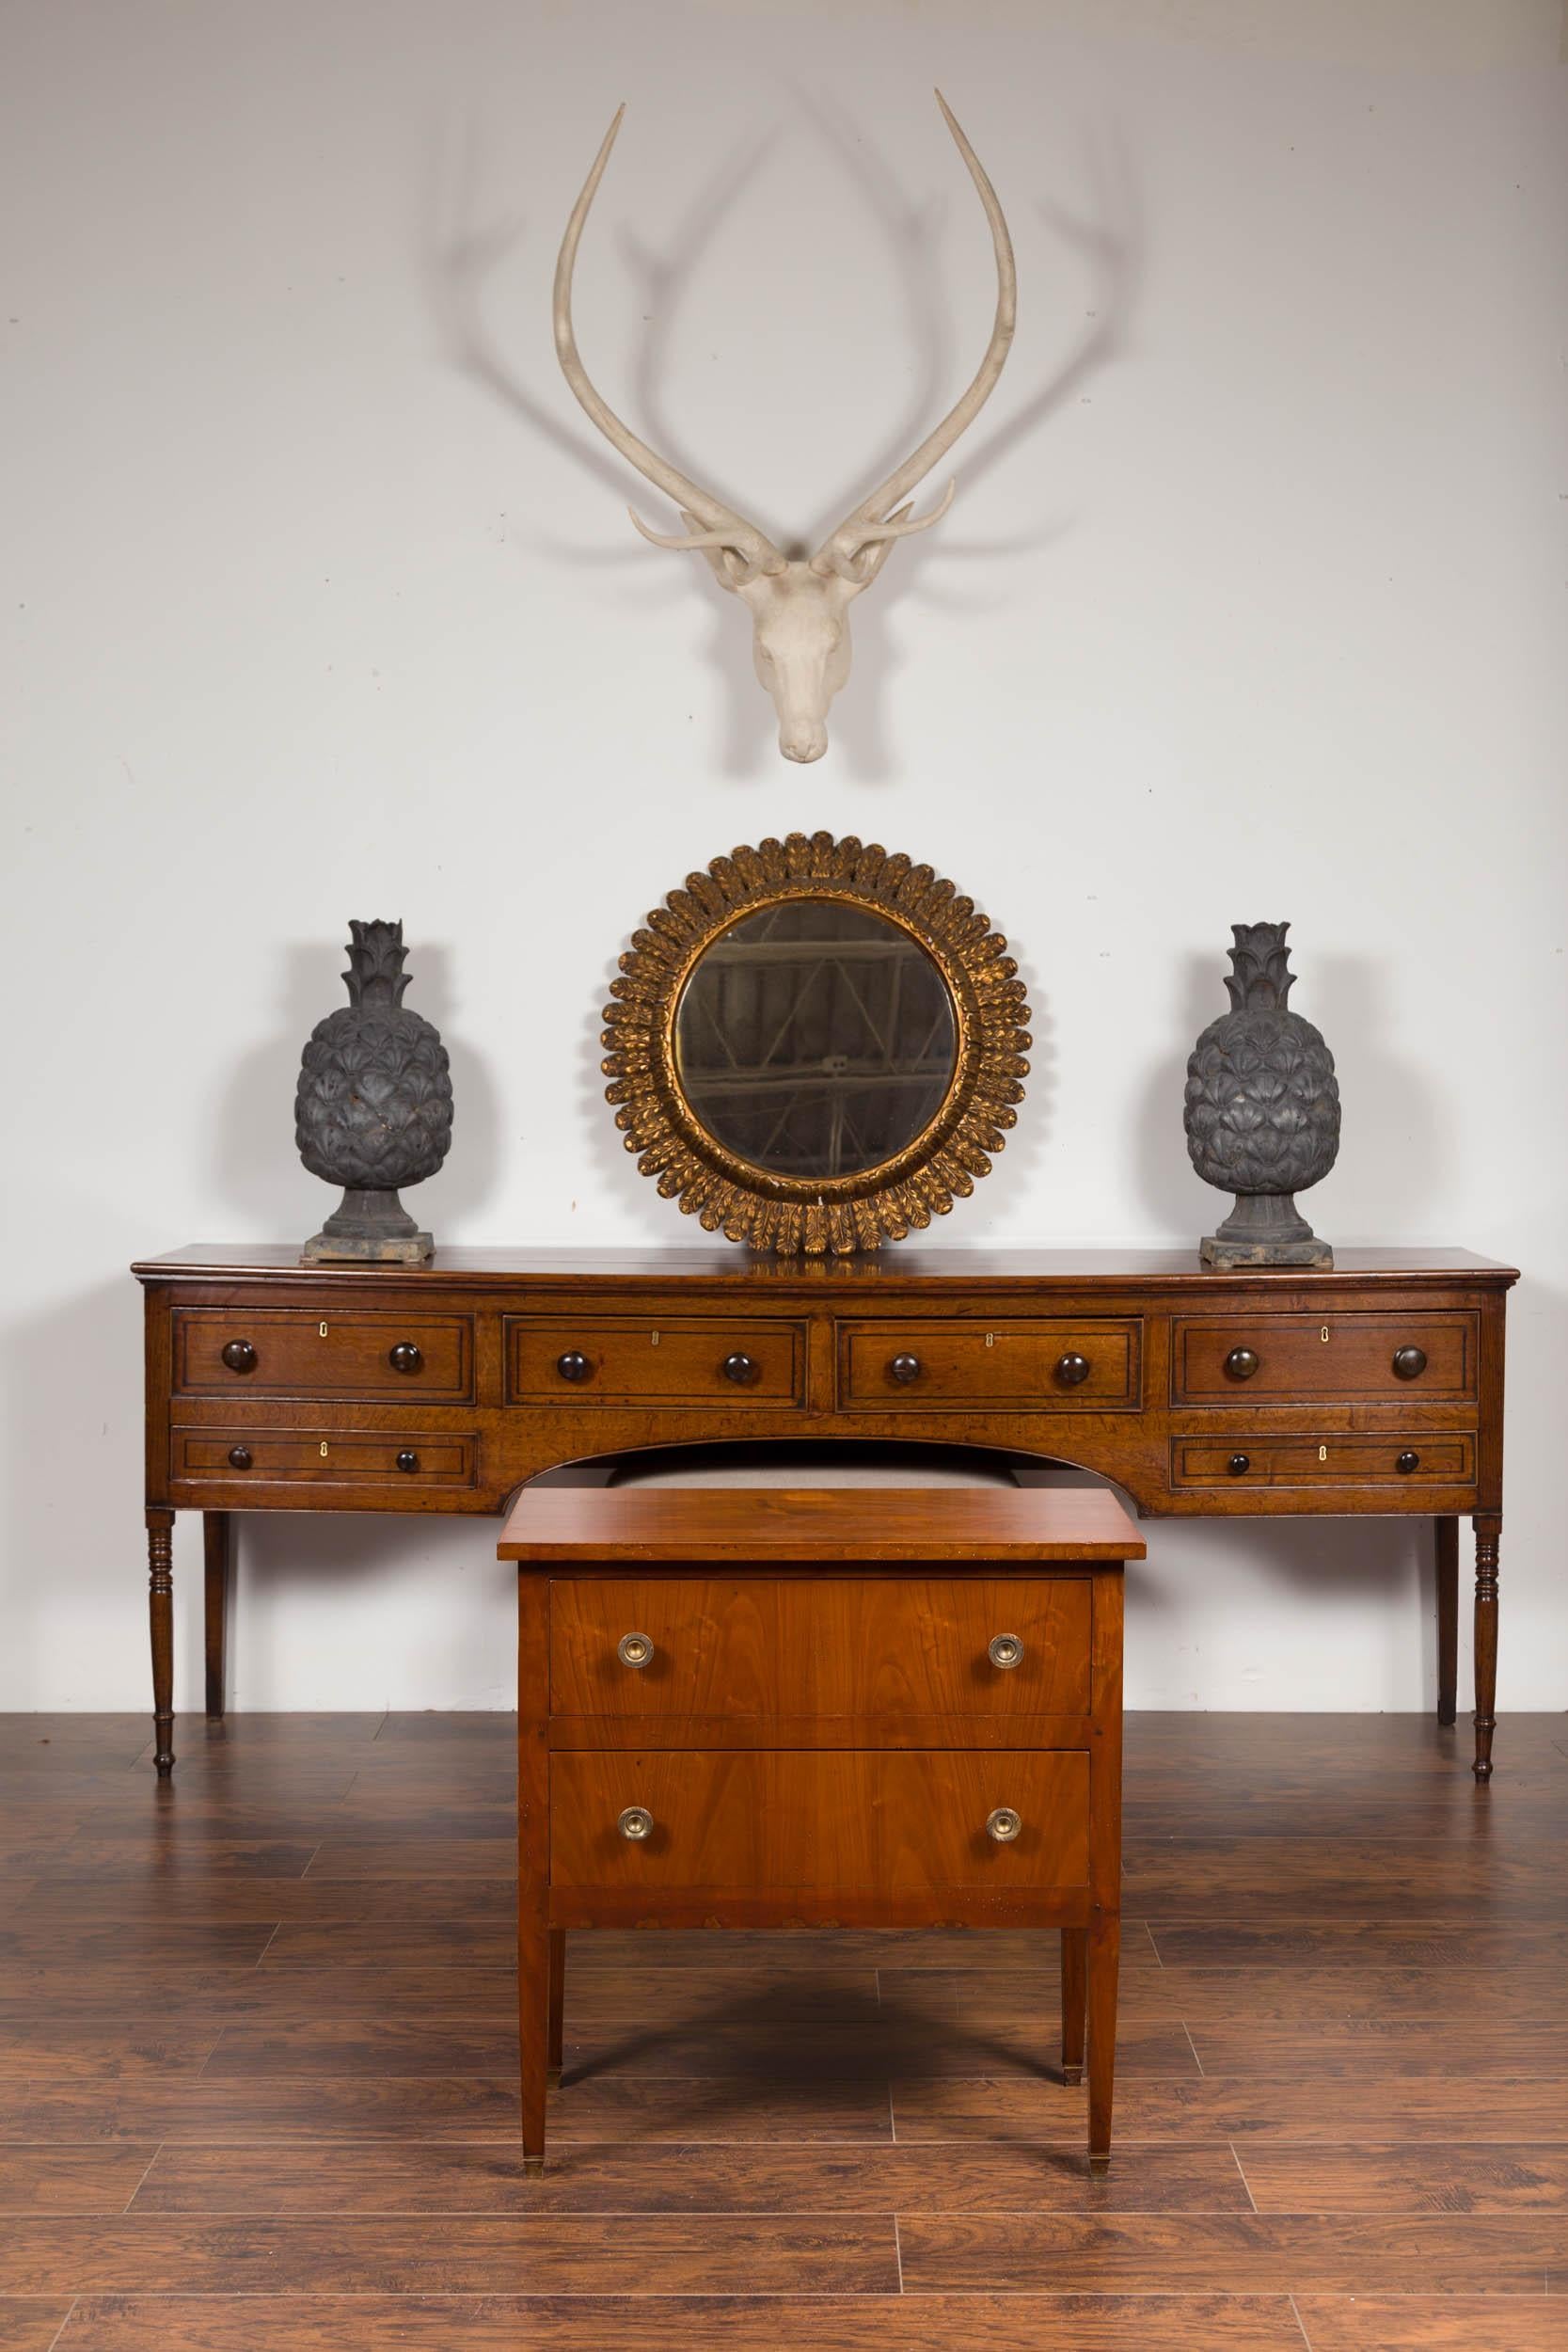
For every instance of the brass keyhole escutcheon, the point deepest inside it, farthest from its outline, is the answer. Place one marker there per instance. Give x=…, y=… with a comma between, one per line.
x=1323, y=1335
x=1323, y=1453
x=321, y=1329
x=323, y=1449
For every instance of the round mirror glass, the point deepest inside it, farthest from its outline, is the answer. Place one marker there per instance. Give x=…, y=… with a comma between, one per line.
x=815, y=1040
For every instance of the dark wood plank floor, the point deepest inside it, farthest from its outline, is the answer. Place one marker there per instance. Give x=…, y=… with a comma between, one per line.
x=257, y=2049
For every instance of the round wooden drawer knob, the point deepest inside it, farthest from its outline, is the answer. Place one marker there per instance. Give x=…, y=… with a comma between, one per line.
x=636, y=1823
x=239, y=1356
x=1406, y=1462
x=634, y=1649
x=1004, y=1650
x=1242, y=1363
x=1239, y=1465
x=905, y=1369
x=1409, y=1362
x=1072, y=1369
x=574, y=1365
x=407, y=1461
x=739, y=1367
x=1003, y=1824
x=406, y=1357
x=240, y=1457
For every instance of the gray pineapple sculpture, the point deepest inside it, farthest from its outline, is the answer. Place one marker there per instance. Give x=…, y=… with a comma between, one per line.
x=374, y=1107
x=1262, y=1114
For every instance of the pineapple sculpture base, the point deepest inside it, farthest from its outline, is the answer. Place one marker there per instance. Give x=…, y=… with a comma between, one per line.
x=368, y=1228
x=1265, y=1228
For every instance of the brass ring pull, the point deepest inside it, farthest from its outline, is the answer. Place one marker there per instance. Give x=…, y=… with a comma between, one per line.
x=1002, y=1824
x=634, y=1649
x=636, y=1823
x=1003, y=1650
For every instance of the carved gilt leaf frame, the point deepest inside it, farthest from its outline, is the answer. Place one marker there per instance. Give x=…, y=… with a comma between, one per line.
x=750, y=1204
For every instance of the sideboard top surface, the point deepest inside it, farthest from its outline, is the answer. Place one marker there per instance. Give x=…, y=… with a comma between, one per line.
x=733, y=1269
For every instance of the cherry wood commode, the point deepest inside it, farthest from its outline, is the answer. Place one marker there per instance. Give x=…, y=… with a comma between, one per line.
x=1375, y=1389
x=748, y=1708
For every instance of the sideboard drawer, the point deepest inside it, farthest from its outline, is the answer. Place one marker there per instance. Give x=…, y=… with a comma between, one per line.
x=1377, y=1358
x=1019, y=1367
x=294, y=1351
x=662, y=1649
x=595, y=1359
x=1443, y=1458
x=309, y=1457
x=848, y=1821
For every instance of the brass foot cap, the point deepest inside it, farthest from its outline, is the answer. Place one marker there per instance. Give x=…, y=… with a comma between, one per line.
x=1073, y=2077
x=534, y=2167
x=552, y=2077
x=1100, y=2165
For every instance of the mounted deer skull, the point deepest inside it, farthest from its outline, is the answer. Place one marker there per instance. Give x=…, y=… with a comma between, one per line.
x=800, y=609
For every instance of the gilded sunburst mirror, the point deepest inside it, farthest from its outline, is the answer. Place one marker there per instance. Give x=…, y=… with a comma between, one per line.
x=815, y=1046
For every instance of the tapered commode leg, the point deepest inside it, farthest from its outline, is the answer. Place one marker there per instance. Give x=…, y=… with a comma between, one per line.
x=1488, y=1526
x=535, y=1937
x=218, y=1555
x=1075, y=1948
x=160, y=1565
x=558, y=1999
x=1447, y=1535
x=1104, y=1960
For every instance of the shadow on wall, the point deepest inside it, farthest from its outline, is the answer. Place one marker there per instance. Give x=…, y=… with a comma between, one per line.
x=257, y=1165
x=461, y=255
x=1383, y=1099
x=75, y=1484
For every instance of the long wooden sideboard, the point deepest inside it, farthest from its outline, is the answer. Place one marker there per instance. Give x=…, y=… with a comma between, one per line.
x=1375, y=1389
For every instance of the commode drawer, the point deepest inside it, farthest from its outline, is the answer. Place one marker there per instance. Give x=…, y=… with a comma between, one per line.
x=596, y=1359
x=1444, y=1458
x=1034, y=1366
x=836, y=1820
x=289, y=1351
x=664, y=1649
x=323, y=1459
x=1385, y=1359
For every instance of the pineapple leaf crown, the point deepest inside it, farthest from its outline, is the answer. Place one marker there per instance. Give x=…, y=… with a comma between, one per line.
x=376, y=954
x=1263, y=979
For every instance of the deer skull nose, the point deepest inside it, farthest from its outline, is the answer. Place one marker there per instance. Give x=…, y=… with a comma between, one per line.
x=806, y=745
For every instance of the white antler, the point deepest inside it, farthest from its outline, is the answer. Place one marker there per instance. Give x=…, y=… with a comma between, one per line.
x=871, y=522
x=718, y=525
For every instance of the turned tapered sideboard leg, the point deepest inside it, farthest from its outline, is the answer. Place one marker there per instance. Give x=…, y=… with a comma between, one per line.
x=1104, y=1957
x=218, y=1553
x=1488, y=1526
x=1075, y=1949
x=160, y=1566
x=1447, y=1534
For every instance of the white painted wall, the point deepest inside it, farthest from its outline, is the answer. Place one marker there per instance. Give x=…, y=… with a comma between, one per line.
x=321, y=601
